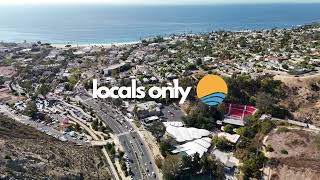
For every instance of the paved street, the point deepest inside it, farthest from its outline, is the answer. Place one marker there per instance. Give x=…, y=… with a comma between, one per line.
x=133, y=144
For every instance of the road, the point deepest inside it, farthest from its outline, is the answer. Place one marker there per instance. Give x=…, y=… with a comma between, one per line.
x=133, y=144
x=57, y=134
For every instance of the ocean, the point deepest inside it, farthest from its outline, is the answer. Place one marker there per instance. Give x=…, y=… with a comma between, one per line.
x=93, y=24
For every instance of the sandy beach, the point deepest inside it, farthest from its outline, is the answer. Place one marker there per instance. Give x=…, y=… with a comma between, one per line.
x=107, y=45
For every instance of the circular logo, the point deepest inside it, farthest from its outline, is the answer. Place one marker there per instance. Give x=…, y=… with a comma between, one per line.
x=212, y=90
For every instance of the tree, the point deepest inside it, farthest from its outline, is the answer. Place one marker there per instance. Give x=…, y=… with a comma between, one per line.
x=102, y=129
x=266, y=126
x=201, y=116
x=265, y=102
x=171, y=167
x=44, y=89
x=191, y=164
x=165, y=147
x=221, y=143
x=77, y=127
x=269, y=148
x=228, y=128
x=210, y=165
x=117, y=102
x=157, y=129
x=2, y=81
x=73, y=79
x=188, y=82
x=199, y=62
x=121, y=154
x=31, y=109
x=94, y=125
x=285, y=66
x=251, y=167
x=242, y=41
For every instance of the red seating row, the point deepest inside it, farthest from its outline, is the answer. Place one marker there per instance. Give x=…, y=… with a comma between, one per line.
x=241, y=111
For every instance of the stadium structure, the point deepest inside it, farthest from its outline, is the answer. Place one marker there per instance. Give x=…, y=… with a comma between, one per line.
x=236, y=114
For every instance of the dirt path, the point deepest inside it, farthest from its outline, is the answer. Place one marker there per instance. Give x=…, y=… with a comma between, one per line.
x=95, y=137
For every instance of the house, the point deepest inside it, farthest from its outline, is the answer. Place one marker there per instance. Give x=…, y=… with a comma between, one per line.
x=151, y=119
x=7, y=71
x=115, y=67
x=233, y=138
x=226, y=158
x=60, y=89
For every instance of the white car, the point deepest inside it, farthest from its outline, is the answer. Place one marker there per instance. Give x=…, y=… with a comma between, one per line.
x=63, y=139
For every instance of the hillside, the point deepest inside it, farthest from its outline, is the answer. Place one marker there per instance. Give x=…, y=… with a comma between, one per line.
x=26, y=153
x=304, y=97
x=295, y=154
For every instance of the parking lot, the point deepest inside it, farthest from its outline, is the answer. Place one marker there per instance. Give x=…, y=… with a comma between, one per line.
x=52, y=128
x=172, y=113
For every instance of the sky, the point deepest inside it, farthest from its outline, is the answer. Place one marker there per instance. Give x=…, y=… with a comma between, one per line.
x=150, y=2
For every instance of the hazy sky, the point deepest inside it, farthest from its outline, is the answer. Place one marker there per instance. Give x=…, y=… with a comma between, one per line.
x=150, y=2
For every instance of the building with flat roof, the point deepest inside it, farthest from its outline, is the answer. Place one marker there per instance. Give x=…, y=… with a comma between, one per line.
x=114, y=67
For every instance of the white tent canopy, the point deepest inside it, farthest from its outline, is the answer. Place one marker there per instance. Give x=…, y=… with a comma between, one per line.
x=197, y=146
x=182, y=134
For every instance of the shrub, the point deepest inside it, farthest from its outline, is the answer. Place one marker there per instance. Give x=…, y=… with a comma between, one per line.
x=266, y=126
x=317, y=141
x=7, y=157
x=269, y=148
x=221, y=143
x=159, y=161
x=229, y=129
x=282, y=130
x=283, y=151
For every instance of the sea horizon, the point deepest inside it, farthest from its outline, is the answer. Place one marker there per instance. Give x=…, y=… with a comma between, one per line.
x=112, y=24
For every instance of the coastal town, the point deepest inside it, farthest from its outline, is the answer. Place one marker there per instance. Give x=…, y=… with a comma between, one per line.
x=273, y=78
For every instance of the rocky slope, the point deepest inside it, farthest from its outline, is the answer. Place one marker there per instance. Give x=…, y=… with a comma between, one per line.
x=26, y=153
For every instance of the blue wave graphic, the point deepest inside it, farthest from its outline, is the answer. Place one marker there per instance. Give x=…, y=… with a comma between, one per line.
x=213, y=99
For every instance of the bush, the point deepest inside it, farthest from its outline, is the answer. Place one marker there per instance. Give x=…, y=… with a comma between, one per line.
x=266, y=126
x=94, y=125
x=165, y=147
x=269, y=148
x=283, y=151
x=221, y=143
x=7, y=157
x=317, y=141
x=158, y=161
x=251, y=167
x=229, y=129
x=282, y=130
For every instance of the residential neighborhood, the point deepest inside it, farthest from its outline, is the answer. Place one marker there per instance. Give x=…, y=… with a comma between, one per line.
x=50, y=88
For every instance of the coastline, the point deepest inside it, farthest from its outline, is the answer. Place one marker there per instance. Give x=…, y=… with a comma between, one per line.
x=107, y=45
